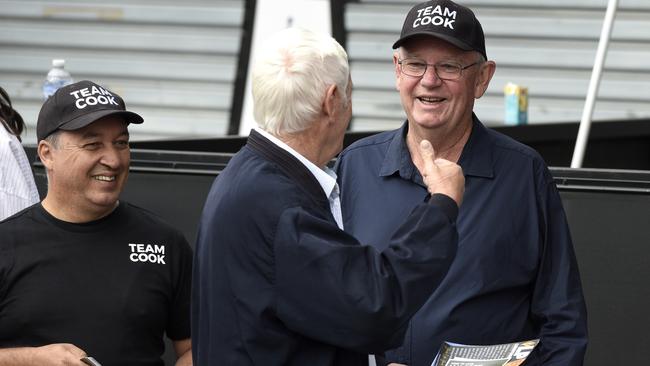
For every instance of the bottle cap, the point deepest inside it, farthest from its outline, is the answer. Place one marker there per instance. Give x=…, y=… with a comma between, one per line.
x=58, y=63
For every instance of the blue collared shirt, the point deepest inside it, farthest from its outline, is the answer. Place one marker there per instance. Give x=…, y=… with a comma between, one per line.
x=515, y=276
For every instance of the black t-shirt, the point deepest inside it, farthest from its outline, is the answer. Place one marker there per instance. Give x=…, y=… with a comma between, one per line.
x=112, y=287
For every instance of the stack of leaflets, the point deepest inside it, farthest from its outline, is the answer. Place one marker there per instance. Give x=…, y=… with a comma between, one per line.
x=511, y=354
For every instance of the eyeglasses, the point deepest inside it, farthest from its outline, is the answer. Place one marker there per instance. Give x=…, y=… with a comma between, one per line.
x=444, y=70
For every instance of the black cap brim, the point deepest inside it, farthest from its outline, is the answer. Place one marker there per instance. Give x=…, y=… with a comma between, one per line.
x=462, y=45
x=86, y=119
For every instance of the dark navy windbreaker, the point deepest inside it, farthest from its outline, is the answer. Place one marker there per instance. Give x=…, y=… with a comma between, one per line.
x=276, y=282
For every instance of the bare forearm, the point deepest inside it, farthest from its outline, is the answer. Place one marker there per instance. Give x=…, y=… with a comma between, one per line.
x=185, y=359
x=51, y=354
x=23, y=356
x=183, y=350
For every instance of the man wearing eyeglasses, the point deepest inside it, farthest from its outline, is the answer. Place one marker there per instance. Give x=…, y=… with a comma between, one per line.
x=515, y=276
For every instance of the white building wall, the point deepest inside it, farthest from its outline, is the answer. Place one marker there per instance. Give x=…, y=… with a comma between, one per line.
x=134, y=47
x=174, y=62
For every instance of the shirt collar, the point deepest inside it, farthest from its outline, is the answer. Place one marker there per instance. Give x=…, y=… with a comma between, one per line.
x=476, y=158
x=398, y=157
x=325, y=176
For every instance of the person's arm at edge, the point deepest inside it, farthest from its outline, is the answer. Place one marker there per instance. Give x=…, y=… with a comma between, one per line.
x=50, y=354
x=183, y=350
x=180, y=334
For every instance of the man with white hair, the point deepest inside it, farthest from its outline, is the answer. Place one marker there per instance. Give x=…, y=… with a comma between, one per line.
x=276, y=279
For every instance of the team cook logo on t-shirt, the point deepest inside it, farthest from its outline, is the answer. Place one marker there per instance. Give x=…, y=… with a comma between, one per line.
x=93, y=96
x=147, y=253
x=436, y=16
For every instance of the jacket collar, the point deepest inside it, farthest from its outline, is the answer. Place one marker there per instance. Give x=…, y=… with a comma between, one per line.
x=288, y=163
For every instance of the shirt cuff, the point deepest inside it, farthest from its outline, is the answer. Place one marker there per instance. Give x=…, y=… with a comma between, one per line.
x=446, y=204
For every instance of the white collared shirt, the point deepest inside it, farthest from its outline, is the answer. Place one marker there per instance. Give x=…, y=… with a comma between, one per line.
x=325, y=177
x=17, y=188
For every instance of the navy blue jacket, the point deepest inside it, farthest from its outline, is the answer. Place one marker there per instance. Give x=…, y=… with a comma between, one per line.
x=276, y=282
x=515, y=275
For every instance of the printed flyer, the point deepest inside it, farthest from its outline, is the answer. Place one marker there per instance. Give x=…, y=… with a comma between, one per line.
x=510, y=354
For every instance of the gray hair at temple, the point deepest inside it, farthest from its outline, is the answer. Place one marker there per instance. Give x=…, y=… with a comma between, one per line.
x=291, y=76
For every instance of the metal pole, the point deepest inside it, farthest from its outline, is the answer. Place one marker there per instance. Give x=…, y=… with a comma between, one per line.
x=588, y=111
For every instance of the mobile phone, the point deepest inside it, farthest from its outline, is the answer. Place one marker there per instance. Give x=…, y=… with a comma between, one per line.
x=90, y=361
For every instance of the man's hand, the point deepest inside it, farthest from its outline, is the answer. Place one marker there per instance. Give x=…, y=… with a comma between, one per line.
x=59, y=354
x=440, y=175
x=52, y=354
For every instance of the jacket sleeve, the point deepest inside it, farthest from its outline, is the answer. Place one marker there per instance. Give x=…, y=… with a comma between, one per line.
x=332, y=289
x=558, y=304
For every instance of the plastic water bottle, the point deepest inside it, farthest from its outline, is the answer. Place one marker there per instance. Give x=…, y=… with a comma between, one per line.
x=56, y=78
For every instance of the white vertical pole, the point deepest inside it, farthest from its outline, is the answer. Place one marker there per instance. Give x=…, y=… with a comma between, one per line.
x=592, y=93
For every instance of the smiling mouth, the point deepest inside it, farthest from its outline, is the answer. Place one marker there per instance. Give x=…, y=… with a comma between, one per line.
x=430, y=100
x=104, y=178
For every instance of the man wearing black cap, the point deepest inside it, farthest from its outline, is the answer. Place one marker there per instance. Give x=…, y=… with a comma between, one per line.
x=515, y=276
x=82, y=273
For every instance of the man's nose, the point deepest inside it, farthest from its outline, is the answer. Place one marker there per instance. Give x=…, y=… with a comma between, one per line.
x=430, y=77
x=111, y=157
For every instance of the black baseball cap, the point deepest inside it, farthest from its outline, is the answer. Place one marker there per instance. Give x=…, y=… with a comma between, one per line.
x=77, y=105
x=446, y=20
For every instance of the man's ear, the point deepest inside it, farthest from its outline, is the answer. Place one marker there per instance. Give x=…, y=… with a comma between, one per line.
x=483, y=78
x=330, y=101
x=45, y=152
x=397, y=73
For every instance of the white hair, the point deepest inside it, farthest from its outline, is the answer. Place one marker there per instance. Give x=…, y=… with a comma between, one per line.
x=291, y=76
